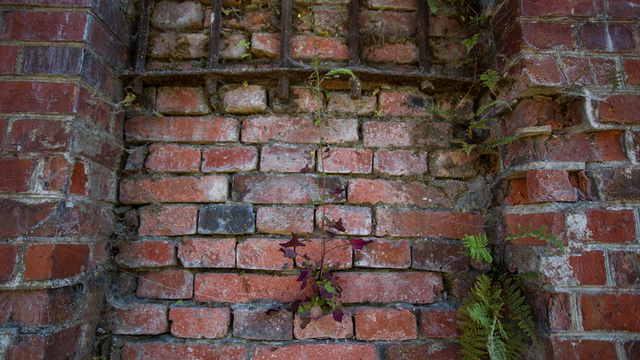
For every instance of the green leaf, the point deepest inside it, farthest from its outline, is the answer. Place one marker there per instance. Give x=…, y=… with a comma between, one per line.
x=477, y=246
x=471, y=42
x=341, y=72
x=245, y=44
x=490, y=78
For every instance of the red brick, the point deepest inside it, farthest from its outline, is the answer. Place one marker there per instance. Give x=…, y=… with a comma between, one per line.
x=401, y=24
x=168, y=45
x=584, y=349
x=287, y=158
x=229, y=159
x=421, y=223
x=265, y=44
x=146, y=253
x=262, y=254
x=564, y=7
x=453, y=164
x=390, y=287
x=242, y=289
x=325, y=328
x=38, y=97
x=8, y=258
x=439, y=256
x=232, y=50
x=620, y=184
x=29, y=347
x=554, y=222
x=439, y=323
x=173, y=158
x=24, y=307
x=306, y=47
x=443, y=26
x=550, y=185
x=83, y=218
x=284, y=220
x=182, y=129
x=9, y=59
x=624, y=8
x=632, y=349
x=626, y=267
x=399, y=5
x=356, y=220
x=605, y=71
x=306, y=100
x=170, y=351
x=166, y=284
x=632, y=69
x=384, y=134
x=15, y=174
x=285, y=189
x=385, y=324
x=211, y=253
x=245, y=100
x=178, y=15
x=448, y=51
x=341, y=161
x=331, y=21
x=168, y=220
x=403, y=103
x=608, y=37
x=589, y=268
x=199, y=323
x=79, y=179
x=396, y=192
x=44, y=26
x=401, y=53
x=55, y=261
x=621, y=109
x=339, y=257
x=182, y=101
x=610, y=312
x=173, y=189
x=316, y=351
x=400, y=162
x=577, y=70
x=611, y=226
x=432, y=350
x=259, y=324
x=52, y=60
x=341, y=102
x=298, y=130
x=392, y=254
x=545, y=35
x=542, y=70
x=139, y=319
x=99, y=148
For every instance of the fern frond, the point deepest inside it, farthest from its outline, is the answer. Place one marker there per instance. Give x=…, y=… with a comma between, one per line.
x=477, y=246
x=540, y=233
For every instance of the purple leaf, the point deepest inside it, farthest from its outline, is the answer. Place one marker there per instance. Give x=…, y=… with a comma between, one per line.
x=293, y=242
x=337, y=314
x=330, y=234
x=338, y=190
x=338, y=225
x=358, y=243
x=327, y=153
x=306, y=169
x=316, y=312
x=288, y=253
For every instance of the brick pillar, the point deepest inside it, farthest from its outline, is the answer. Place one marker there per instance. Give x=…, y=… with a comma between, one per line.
x=60, y=145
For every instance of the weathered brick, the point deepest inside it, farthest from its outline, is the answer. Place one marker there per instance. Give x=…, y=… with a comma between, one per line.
x=399, y=5
x=207, y=253
x=620, y=184
x=284, y=220
x=621, y=109
x=8, y=258
x=232, y=47
x=199, y=322
x=242, y=289
x=44, y=26
x=340, y=258
x=166, y=284
x=439, y=256
x=24, y=307
x=385, y=324
x=168, y=220
x=324, y=328
x=245, y=100
x=439, y=323
x=453, y=164
x=55, y=261
x=624, y=8
x=545, y=35
x=555, y=223
x=580, y=349
x=401, y=24
x=27, y=347
x=258, y=324
x=400, y=162
x=226, y=219
x=306, y=100
x=15, y=174
x=589, y=268
x=550, y=185
x=83, y=218
x=611, y=226
x=341, y=102
x=563, y=7
x=390, y=287
x=37, y=97
x=379, y=253
x=174, y=189
x=79, y=179
x=341, y=160
x=52, y=60
x=265, y=44
x=443, y=26
x=632, y=70
x=404, y=103
x=173, y=158
x=298, y=130
x=421, y=223
x=169, y=351
x=608, y=37
x=432, y=350
x=625, y=267
x=401, y=53
x=285, y=189
x=356, y=220
x=287, y=158
x=605, y=312
x=139, y=319
x=383, y=134
x=262, y=254
x=316, y=351
x=396, y=192
x=306, y=47
x=168, y=45
x=9, y=59
x=146, y=253
x=178, y=15
x=182, y=101
x=229, y=159
x=182, y=129
x=542, y=70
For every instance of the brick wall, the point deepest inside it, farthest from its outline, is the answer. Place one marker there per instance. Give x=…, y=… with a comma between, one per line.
x=60, y=144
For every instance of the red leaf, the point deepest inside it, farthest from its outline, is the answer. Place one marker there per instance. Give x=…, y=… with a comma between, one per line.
x=293, y=242
x=337, y=314
x=358, y=243
x=306, y=169
x=338, y=225
x=338, y=190
x=288, y=253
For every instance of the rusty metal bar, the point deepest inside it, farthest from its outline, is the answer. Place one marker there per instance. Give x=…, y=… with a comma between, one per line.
x=143, y=35
x=214, y=33
x=285, y=48
x=352, y=41
x=424, y=55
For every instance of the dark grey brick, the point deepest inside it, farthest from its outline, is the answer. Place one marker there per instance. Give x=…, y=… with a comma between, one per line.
x=226, y=219
x=257, y=324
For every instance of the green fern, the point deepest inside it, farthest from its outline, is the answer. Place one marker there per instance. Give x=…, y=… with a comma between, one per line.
x=471, y=42
x=477, y=247
x=490, y=78
x=540, y=233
